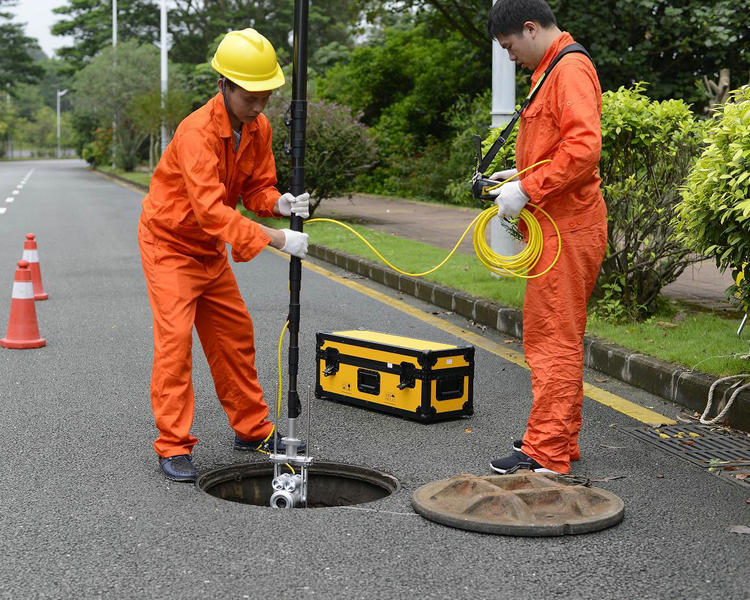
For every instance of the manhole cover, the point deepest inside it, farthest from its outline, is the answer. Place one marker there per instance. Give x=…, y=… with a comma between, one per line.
x=705, y=445
x=329, y=484
x=526, y=504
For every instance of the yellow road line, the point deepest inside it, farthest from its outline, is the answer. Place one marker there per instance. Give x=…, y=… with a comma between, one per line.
x=626, y=407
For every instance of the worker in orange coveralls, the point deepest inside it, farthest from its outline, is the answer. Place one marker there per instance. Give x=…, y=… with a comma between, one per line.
x=563, y=124
x=219, y=154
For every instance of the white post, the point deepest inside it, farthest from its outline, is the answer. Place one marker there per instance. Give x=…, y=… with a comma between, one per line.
x=164, y=75
x=114, y=45
x=60, y=94
x=503, y=107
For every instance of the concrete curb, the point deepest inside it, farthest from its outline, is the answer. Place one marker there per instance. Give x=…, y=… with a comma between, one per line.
x=671, y=382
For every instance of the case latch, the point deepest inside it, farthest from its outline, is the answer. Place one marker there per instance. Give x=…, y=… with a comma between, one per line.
x=408, y=376
x=331, y=356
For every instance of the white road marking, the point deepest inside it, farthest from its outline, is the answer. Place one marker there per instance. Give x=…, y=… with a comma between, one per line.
x=2, y=210
x=15, y=192
x=9, y=199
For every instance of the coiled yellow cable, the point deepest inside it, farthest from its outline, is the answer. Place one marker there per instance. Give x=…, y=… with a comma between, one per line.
x=505, y=266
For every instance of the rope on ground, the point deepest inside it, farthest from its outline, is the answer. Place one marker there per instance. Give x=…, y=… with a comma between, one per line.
x=725, y=410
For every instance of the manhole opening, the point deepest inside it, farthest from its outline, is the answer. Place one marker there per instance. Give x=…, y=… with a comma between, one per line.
x=329, y=484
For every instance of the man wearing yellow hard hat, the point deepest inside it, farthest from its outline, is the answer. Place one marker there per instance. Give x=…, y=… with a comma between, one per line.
x=219, y=154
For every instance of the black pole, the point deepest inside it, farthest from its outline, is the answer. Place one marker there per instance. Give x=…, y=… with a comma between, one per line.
x=297, y=185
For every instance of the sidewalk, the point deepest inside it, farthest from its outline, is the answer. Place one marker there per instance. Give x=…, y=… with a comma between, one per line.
x=701, y=284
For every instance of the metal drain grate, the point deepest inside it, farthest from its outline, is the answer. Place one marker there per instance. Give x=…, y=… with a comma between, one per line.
x=704, y=445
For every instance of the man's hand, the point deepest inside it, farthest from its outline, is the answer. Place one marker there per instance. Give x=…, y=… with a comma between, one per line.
x=503, y=175
x=287, y=205
x=511, y=198
x=295, y=244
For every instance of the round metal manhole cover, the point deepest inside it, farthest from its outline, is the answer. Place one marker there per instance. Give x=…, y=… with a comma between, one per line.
x=329, y=484
x=526, y=504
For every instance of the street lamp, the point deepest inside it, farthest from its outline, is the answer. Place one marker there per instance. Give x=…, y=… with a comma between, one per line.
x=60, y=94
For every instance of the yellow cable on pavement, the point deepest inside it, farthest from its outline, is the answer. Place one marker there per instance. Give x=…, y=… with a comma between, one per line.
x=505, y=266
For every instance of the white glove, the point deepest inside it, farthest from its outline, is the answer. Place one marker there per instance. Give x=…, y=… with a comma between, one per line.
x=510, y=199
x=503, y=175
x=296, y=243
x=299, y=205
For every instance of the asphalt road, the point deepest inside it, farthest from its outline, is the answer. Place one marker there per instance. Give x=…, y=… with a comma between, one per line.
x=86, y=513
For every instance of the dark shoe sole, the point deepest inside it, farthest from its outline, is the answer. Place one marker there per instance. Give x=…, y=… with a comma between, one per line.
x=180, y=479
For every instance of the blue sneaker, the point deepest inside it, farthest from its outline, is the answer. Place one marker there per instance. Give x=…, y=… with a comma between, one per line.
x=178, y=468
x=265, y=445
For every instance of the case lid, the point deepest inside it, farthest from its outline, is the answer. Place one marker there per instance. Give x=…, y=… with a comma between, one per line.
x=393, y=340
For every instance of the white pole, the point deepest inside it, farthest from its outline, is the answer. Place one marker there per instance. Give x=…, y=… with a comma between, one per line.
x=60, y=94
x=114, y=45
x=503, y=85
x=164, y=75
x=503, y=107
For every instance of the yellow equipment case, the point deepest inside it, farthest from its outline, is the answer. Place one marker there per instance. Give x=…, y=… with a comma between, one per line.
x=417, y=379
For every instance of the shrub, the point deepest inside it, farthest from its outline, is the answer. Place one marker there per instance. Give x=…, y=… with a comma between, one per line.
x=338, y=148
x=98, y=152
x=715, y=209
x=647, y=150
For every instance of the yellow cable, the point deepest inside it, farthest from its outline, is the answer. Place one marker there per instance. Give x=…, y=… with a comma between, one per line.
x=278, y=403
x=506, y=266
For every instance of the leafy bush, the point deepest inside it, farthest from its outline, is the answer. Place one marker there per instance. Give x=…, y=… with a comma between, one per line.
x=647, y=150
x=98, y=152
x=338, y=148
x=715, y=209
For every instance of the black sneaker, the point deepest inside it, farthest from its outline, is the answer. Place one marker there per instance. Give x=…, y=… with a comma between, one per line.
x=515, y=462
x=178, y=468
x=265, y=445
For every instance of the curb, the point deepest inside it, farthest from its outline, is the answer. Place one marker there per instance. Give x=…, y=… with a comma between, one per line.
x=666, y=380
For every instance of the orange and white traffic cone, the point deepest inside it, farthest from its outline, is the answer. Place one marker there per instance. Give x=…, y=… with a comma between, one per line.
x=23, y=330
x=31, y=254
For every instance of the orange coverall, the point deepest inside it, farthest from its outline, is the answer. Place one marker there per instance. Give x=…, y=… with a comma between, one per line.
x=563, y=124
x=188, y=216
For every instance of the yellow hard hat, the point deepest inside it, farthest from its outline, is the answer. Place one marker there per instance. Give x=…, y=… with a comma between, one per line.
x=249, y=60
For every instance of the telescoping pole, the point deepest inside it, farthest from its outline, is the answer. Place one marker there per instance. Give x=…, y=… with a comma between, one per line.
x=297, y=185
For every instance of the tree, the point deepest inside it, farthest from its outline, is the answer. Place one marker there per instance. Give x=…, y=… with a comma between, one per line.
x=196, y=23
x=89, y=23
x=17, y=60
x=107, y=89
x=671, y=43
x=147, y=114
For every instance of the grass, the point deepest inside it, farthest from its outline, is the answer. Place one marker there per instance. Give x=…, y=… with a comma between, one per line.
x=700, y=340
x=139, y=177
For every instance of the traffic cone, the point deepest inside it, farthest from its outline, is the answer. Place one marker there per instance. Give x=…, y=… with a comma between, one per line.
x=23, y=330
x=31, y=255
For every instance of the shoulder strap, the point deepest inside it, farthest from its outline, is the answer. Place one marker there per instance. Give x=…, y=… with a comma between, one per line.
x=484, y=162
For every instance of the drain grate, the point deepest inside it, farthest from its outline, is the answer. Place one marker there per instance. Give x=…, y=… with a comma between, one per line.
x=704, y=445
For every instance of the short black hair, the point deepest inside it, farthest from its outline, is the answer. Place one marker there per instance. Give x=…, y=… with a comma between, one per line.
x=231, y=85
x=508, y=16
